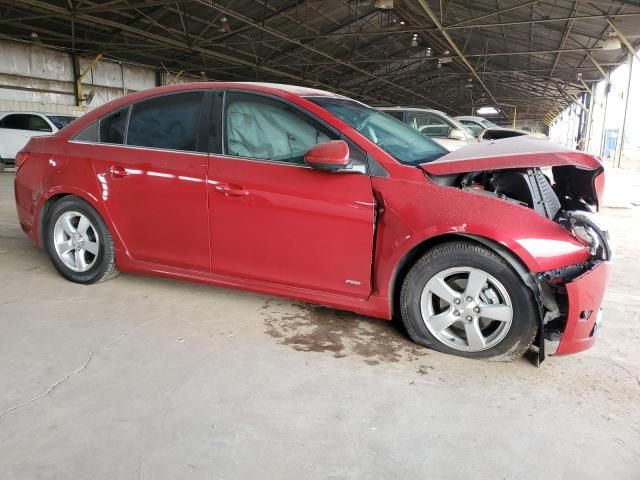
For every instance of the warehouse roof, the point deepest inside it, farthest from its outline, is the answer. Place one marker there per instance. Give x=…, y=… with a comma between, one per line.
x=447, y=54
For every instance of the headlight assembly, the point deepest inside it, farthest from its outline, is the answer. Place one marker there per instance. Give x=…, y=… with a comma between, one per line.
x=586, y=228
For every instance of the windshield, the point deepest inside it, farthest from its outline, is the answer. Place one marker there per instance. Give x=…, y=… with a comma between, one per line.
x=394, y=137
x=488, y=124
x=60, y=121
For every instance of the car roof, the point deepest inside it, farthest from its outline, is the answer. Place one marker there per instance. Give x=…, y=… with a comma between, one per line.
x=281, y=87
x=470, y=117
x=4, y=114
x=276, y=89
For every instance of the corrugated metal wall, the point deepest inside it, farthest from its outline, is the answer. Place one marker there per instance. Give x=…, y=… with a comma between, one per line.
x=36, y=78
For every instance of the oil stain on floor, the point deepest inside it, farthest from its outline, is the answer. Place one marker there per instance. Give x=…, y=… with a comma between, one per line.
x=310, y=328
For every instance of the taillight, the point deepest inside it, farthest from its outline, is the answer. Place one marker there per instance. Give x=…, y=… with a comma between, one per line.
x=598, y=185
x=21, y=157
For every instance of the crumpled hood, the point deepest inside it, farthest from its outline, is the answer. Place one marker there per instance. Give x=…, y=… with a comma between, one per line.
x=517, y=152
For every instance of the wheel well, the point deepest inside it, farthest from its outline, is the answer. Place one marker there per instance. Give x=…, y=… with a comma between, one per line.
x=44, y=213
x=414, y=254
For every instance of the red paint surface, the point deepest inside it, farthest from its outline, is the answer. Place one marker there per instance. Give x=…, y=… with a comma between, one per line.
x=327, y=238
x=585, y=295
x=332, y=154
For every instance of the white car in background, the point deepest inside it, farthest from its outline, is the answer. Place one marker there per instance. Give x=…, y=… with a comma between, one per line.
x=435, y=124
x=17, y=128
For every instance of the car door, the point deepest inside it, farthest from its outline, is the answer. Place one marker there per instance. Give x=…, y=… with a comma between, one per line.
x=16, y=130
x=152, y=169
x=275, y=219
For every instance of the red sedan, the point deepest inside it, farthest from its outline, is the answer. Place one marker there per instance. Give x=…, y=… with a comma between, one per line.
x=313, y=196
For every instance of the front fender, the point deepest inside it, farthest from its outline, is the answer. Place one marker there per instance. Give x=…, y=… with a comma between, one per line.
x=418, y=213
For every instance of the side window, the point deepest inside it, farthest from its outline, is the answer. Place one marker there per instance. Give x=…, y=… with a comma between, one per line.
x=113, y=125
x=37, y=124
x=88, y=133
x=428, y=124
x=14, y=122
x=396, y=114
x=168, y=122
x=267, y=129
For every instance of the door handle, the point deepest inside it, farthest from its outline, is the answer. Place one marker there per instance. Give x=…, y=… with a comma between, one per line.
x=231, y=190
x=118, y=171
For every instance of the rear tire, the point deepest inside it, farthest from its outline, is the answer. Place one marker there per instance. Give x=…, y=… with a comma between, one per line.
x=464, y=299
x=79, y=243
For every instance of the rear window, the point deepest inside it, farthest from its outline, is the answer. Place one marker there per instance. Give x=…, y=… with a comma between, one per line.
x=25, y=121
x=14, y=121
x=395, y=114
x=60, y=121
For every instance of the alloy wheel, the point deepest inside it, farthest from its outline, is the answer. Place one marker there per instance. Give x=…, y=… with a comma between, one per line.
x=76, y=241
x=466, y=309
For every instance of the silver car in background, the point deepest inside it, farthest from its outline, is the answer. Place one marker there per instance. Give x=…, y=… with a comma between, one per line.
x=484, y=129
x=435, y=124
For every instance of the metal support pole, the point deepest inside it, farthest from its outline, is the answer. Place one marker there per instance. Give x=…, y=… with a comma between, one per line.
x=124, y=81
x=620, y=143
x=76, y=74
x=79, y=93
x=592, y=103
x=607, y=91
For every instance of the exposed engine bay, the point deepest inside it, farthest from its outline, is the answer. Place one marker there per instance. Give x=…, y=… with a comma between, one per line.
x=569, y=198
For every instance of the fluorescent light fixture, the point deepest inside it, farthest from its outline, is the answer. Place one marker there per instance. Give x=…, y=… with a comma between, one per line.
x=487, y=111
x=383, y=4
x=612, y=43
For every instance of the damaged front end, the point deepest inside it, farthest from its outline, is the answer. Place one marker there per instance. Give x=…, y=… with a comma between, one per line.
x=566, y=187
x=571, y=296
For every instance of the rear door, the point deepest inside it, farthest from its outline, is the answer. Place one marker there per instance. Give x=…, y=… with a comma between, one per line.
x=275, y=219
x=151, y=166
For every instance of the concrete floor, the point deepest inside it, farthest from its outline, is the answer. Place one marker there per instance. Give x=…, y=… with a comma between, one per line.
x=157, y=379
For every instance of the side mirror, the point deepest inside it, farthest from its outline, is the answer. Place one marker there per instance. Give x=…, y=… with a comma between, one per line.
x=329, y=156
x=457, y=134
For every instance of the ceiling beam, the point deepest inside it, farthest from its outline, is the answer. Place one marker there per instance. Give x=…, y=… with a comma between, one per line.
x=624, y=39
x=455, y=48
x=276, y=33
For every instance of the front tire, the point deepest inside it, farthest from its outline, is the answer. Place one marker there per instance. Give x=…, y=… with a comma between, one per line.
x=79, y=243
x=462, y=298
